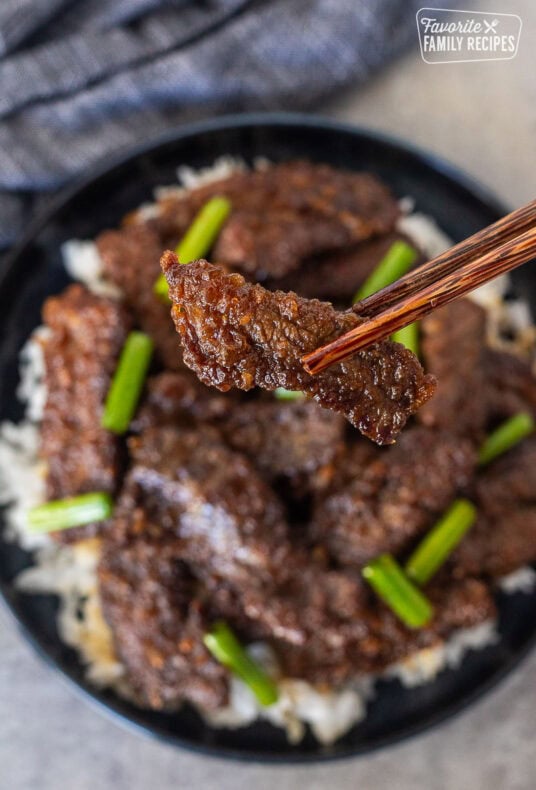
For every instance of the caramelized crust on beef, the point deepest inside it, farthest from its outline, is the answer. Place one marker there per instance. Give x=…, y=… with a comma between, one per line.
x=86, y=334
x=284, y=213
x=230, y=522
x=237, y=334
x=130, y=257
x=504, y=536
x=299, y=442
x=155, y=609
x=394, y=497
x=336, y=276
x=452, y=342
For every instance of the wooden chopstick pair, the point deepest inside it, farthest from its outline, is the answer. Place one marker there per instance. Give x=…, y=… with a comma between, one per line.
x=499, y=248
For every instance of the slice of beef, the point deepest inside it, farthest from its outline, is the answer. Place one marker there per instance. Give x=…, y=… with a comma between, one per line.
x=285, y=213
x=237, y=334
x=179, y=398
x=297, y=209
x=325, y=625
x=510, y=385
x=87, y=333
x=155, y=610
x=230, y=523
x=297, y=441
x=504, y=536
x=395, y=497
x=130, y=257
x=336, y=276
x=497, y=546
x=366, y=637
x=457, y=605
x=453, y=343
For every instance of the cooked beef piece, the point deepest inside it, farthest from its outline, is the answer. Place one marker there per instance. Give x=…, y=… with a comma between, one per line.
x=87, y=333
x=336, y=276
x=295, y=210
x=178, y=399
x=504, y=536
x=154, y=608
x=395, y=497
x=452, y=343
x=130, y=257
x=510, y=480
x=285, y=213
x=457, y=604
x=510, y=385
x=230, y=523
x=497, y=546
x=359, y=634
x=237, y=334
x=297, y=441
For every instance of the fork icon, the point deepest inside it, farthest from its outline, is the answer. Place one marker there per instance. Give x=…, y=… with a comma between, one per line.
x=490, y=26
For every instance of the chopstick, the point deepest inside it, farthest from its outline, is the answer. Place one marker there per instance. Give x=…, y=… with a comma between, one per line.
x=488, y=238
x=501, y=247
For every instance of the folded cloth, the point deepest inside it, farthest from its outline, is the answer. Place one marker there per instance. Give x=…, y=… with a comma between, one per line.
x=80, y=80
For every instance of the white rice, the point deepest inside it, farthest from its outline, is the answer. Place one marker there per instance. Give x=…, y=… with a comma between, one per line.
x=83, y=263
x=70, y=571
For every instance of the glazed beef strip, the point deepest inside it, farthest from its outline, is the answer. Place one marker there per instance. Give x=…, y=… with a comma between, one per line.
x=155, y=610
x=324, y=624
x=130, y=258
x=297, y=441
x=81, y=351
x=504, y=536
x=452, y=343
x=510, y=385
x=300, y=209
x=229, y=522
x=179, y=398
x=336, y=276
x=373, y=639
x=395, y=496
x=237, y=334
x=285, y=213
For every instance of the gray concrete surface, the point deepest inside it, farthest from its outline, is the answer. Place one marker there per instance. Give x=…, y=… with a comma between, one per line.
x=483, y=118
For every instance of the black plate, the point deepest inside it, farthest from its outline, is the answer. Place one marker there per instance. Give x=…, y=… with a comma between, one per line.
x=34, y=270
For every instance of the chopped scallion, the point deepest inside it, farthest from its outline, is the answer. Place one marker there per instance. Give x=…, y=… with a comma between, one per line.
x=391, y=584
x=199, y=237
x=226, y=648
x=397, y=261
x=441, y=541
x=506, y=436
x=408, y=336
x=72, y=512
x=127, y=382
x=282, y=394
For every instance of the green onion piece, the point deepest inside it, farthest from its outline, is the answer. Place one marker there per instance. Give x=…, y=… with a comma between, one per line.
x=199, y=237
x=226, y=648
x=73, y=512
x=282, y=394
x=441, y=541
x=127, y=382
x=506, y=436
x=408, y=336
x=389, y=581
x=397, y=261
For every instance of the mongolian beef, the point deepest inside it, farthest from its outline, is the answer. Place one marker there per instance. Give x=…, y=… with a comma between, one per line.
x=237, y=334
x=246, y=508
